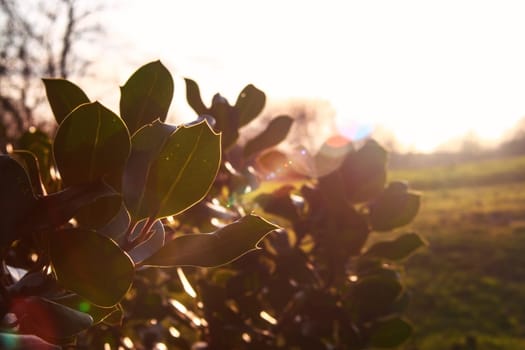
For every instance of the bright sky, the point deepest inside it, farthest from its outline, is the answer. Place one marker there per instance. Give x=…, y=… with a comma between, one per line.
x=429, y=71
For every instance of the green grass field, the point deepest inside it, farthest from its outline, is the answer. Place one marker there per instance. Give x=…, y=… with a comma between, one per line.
x=470, y=281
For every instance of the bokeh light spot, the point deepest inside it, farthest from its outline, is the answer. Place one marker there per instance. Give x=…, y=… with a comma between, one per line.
x=84, y=306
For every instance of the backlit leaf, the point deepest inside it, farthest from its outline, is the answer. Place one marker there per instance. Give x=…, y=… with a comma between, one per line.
x=364, y=172
x=16, y=198
x=226, y=120
x=100, y=212
x=146, y=96
x=30, y=164
x=63, y=97
x=91, y=143
x=47, y=319
x=397, y=249
x=394, y=208
x=193, y=96
x=274, y=133
x=213, y=249
x=91, y=265
x=39, y=143
x=57, y=208
x=174, y=179
x=390, y=333
x=374, y=295
x=80, y=304
x=250, y=103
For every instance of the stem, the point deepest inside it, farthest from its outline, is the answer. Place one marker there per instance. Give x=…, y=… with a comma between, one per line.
x=129, y=243
x=144, y=234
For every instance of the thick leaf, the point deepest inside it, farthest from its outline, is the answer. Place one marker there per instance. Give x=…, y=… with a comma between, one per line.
x=250, y=103
x=177, y=177
x=280, y=203
x=91, y=265
x=24, y=342
x=47, y=319
x=16, y=199
x=30, y=164
x=394, y=208
x=63, y=97
x=397, y=249
x=91, y=143
x=147, y=248
x=39, y=143
x=146, y=145
x=218, y=248
x=115, y=318
x=34, y=283
x=80, y=304
x=57, y=208
x=193, y=96
x=99, y=213
x=146, y=96
x=226, y=120
x=374, y=295
x=364, y=172
x=390, y=333
x=275, y=132
x=116, y=229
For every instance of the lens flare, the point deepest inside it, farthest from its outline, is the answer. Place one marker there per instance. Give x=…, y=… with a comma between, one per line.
x=355, y=131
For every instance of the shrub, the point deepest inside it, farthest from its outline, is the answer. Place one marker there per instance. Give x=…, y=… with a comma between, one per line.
x=88, y=214
x=81, y=221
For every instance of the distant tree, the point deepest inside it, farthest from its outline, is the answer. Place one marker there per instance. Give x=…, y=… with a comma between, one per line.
x=514, y=143
x=38, y=39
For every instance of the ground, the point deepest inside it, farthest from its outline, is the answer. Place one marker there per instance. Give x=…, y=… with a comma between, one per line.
x=468, y=285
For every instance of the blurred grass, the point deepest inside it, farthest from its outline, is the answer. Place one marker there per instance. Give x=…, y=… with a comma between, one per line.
x=474, y=173
x=469, y=282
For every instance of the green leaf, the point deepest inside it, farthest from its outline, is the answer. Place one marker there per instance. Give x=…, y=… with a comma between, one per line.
x=63, y=97
x=47, y=319
x=24, y=342
x=33, y=283
x=193, y=96
x=146, y=145
x=80, y=304
x=91, y=143
x=275, y=132
x=178, y=176
x=390, y=333
x=117, y=227
x=250, y=103
x=100, y=212
x=218, y=248
x=375, y=295
x=91, y=265
x=146, y=96
x=57, y=208
x=394, y=208
x=397, y=249
x=280, y=203
x=364, y=172
x=16, y=199
x=39, y=143
x=115, y=318
x=30, y=164
x=226, y=120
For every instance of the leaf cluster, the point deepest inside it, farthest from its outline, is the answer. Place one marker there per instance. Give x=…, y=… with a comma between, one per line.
x=84, y=212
